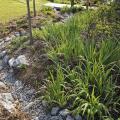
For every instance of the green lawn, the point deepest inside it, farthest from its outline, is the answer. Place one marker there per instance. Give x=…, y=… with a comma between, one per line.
x=10, y=9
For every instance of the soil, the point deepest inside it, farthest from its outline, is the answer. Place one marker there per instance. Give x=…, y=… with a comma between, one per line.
x=36, y=73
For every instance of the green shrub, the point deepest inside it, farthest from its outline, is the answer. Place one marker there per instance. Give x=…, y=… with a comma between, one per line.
x=71, y=10
x=47, y=10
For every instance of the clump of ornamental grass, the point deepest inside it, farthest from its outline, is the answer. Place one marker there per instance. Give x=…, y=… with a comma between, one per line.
x=91, y=86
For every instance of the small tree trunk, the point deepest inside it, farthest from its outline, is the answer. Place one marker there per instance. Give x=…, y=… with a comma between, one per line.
x=29, y=22
x=87, y=4
x=51, y=0
x=72, y=3
x=34, y=8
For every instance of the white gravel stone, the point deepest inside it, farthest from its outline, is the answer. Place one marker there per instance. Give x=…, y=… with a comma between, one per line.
x=64, y=112
x=55, y=110
x=2, y=85
x=2, y=54
x=11, y=62
x=8, y=39
x=69, y=117
x=6, y=100
x=6, y=59
x=22, y=60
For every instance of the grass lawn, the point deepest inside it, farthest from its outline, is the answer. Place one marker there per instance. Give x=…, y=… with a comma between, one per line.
x=10, y=9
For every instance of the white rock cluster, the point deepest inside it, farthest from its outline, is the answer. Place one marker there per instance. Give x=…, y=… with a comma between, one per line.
x=20, y=60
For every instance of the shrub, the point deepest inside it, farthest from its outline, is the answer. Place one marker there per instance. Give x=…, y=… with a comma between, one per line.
x=47, y=10
x=71, y=10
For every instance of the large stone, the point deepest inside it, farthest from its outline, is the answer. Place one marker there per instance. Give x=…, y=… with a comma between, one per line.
x=11, y=62
x=21, y=60
x=55, y=110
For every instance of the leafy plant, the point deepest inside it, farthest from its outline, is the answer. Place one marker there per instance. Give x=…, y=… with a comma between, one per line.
x=56, y=88
x=95, y=92
x=91, y=85
x=73, y=9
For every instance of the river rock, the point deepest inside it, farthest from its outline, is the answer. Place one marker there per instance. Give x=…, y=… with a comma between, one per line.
x=8, y=39
x=20, y=60
x=44, y=103
x=64, y=112
x=6, y=60
x=23, y=32
x=11, y=62
x=2, y=54
x=55, y=111
x=31, y=104
x=18, y=84
x=69, y=117
x=17, y=34
x=1, y=43
x=2, y=85
x=12, y=36
x=56, y=118
x=28, y=106
x=6, y=100
x=78, y=117
x=1, y=40
x=1, y=66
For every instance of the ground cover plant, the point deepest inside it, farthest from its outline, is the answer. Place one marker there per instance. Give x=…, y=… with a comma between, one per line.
x=85, y=74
